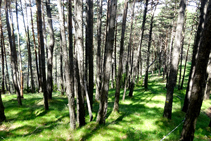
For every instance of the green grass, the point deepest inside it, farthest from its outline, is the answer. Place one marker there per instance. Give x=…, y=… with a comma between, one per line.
x=139, y=118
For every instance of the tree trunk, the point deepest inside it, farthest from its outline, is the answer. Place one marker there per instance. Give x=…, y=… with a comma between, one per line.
x=13, y=52
x=135, y=67
x=50, y=52
x=79, y=59
x=175, y=60
x=208, y=84
x=41, y=41
x=120, y=68
x=148, y=51
x=197, y=94
x=98, y=62
x=193, y=62
x=61, y=66
x=112, y=6
x=90, y=48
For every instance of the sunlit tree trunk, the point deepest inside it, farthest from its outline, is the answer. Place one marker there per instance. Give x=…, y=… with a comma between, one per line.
x=175, y=61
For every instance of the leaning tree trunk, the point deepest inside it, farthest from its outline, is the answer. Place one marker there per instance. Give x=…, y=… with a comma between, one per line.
x=117, y=93
x=13, y=52
x=79, y=59
x=112, y=6
x=41, y=41
x=175, y=61
x=50, y=52
x=194, y=54
x=197, y=94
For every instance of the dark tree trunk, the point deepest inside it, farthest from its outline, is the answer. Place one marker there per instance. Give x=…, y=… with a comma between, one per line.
x=135, y=67
x=90, y=48
x=61, y=67
x=175, y=60
x=41, y=41
x=208, y=84
x=193, y=62
x=98, y=62
x=197, y=94
x=148, y=51
x=112, y=6
x=13, y=52
x=50, y=52
x=79, y=60
x=120, y=68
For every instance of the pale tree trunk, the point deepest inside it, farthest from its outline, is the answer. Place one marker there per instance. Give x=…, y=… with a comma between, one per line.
x=175, y=61
x=129, y=52
x=135, y=67
x=148, y=51
x=41, y=41
x=13, y=52
x=61, y=66
x=112, y=6
x=79, y=60
x=117, y=93
x=197, y=94
x=50, y=52
x=19, y=50
x=194, y=55
x=98, y=62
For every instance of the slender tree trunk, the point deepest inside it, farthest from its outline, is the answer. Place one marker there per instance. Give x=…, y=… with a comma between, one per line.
x=186, y=59
x=175, y=60
x=120, y=68
x=98, y=62
x=148, y=51
x=90, y=48
x=112, y=6
x=2, y=55
x=61, y=66
x=19, y=50
x=197, y=94
x=79, y=59
x=50, y=52
x=135, y=68
x=13, y=52
x=35, y=51
x=41, y=41
x=208, y=84
x=194, y=54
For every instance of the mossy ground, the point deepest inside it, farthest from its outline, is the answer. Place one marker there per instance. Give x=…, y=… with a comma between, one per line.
x=139, y=118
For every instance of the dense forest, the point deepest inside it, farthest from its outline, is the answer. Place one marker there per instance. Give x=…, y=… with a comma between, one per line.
x=97, y=61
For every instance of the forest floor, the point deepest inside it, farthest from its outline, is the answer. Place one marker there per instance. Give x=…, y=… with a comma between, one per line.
x=139, y=118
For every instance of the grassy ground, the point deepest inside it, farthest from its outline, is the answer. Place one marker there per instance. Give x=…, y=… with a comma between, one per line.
x=140, y=118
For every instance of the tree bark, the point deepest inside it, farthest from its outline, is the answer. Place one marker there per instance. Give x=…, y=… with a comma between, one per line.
x=135, y=67
x=197, y=94
x=175, y=60
x=13, y=52
x=50, y=52
x=112, y=6
x=194, y=54
x=117, y=93
x=41, y=41
x=208, y=84
x=61, y=66
x=98, y=62
x=79, y=59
